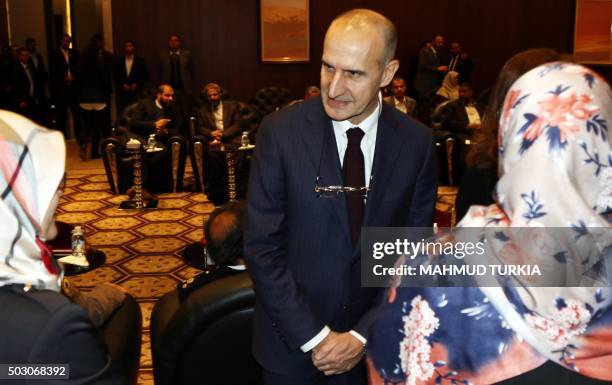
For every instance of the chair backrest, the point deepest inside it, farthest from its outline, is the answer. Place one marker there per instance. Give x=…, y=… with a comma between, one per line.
x=208, y=337
x=250, y=119
x=270, y=99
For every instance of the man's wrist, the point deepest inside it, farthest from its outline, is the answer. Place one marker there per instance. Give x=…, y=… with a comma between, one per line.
x=314, y=341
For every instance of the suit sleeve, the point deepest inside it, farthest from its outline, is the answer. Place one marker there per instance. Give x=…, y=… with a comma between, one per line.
x=266, y=246
x=139, y=125
x=234, y=128
x=424, y=197
x=70, y=338
x=202, y=128
x=425, y=62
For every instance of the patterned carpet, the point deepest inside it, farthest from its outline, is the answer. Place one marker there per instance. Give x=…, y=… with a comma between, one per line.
x=143, y=247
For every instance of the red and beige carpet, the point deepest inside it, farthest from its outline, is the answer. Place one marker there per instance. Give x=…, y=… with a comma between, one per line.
x=143, y=247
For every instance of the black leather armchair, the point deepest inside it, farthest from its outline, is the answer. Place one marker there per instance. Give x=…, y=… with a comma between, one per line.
x=207, y=338
x=118, y=165
x=270, y=99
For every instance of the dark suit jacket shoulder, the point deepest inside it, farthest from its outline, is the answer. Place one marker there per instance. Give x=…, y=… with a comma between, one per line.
x=42, y=326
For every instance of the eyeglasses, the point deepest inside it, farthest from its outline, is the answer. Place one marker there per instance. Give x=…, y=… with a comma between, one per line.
x=335, y=191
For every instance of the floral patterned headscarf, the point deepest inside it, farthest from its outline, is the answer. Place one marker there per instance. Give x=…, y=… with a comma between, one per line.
x=32, y=161
x=555, y=159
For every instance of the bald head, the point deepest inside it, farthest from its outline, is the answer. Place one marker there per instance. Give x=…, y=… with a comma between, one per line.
x=368, y=21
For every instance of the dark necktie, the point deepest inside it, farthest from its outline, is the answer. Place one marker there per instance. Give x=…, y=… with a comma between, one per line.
x=353, y=171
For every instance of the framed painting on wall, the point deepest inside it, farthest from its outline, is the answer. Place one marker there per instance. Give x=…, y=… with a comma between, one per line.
x=284, y=31
x=593, y=31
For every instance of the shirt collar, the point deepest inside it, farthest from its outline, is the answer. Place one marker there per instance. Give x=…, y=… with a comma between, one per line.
x=237, y=267
x=367, y=125
x=158, y=105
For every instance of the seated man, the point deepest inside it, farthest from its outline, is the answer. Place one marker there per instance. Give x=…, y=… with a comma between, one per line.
x=457, y=120
x=461, y=115
x=161, y=118
x=220, y=122
x=399, y=100
x=223, y=233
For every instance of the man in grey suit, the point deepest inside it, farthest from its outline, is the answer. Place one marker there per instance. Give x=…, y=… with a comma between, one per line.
x=313, y=165
x=429, y=72
x=176, y=67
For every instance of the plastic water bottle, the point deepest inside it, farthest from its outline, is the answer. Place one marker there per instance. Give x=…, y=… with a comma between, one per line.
x=151, y=142
x=78, y=241
x=244, y=139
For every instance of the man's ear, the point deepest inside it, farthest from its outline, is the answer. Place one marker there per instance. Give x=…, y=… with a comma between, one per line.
x=389, y=72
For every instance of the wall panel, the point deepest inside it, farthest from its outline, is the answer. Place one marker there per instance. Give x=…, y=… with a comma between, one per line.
x=223, y=35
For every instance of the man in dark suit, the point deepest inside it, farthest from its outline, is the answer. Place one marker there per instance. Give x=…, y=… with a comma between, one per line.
x=176, y=67
x=302, y=230
x=96, y=85
x=220, y=122
x=223, y=234
x=130, y=75
x=460, y=62
x=63, y=64
x=429, y=71
x=25, y=97
x=41, y=76
x=162, y=118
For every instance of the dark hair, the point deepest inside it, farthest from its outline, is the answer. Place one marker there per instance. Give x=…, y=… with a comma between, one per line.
x=483, y=152
x=223, y=233
x=129, y=41
x=30, y=40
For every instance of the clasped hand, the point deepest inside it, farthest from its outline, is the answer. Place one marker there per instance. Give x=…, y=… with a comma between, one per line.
x=337, y=353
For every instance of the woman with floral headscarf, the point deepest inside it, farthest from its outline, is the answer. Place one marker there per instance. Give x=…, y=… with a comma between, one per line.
x=555, y=161
x=38, y=325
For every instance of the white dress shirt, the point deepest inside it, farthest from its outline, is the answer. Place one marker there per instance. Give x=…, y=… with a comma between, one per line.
x=218, y=116
x=368, y=144
x=129, y=60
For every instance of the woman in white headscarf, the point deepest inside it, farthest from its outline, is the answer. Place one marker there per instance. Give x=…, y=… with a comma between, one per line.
x=553, y=209
x=449, y=90
x=37, y=323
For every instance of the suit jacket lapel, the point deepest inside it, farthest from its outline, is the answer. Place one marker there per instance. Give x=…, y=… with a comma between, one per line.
x=388, y=146
x=320, y=143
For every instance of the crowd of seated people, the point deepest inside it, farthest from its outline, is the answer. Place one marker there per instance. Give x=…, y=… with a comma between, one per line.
x=82, y=82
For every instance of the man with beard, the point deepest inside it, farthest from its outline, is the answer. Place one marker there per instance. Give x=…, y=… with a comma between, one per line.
x=219, y=120
x=220, y=123
x=162, y=118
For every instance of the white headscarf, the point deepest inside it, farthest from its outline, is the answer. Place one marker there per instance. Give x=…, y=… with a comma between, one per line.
x=555, y=160
x=450, y=86
x=32, y=161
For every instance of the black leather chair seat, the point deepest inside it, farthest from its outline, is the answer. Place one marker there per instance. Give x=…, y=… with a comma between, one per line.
x=207, y=338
